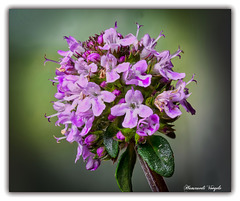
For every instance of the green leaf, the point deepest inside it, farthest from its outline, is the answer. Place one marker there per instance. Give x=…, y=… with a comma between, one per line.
x=110, y=144
x=158, y=155
x=137, y=137
x=149, y=101
x=125, y=168
x=133, y=58
x=128, y=133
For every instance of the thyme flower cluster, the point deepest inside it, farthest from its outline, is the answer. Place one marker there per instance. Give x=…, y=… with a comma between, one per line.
x=118, y=82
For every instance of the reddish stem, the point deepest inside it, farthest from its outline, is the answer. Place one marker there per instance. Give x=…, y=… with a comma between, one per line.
x=155, y=181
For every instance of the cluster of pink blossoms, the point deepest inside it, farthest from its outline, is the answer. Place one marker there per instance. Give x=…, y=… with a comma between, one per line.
x=119, y=81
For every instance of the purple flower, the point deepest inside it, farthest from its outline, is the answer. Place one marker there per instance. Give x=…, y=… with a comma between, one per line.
x=120, y=136
x=65, y=118
x=85, y=71
x=73, y=134
x=136, y=75
x=74, y=47
x=95, y=98
x=73, y=91
x=81, y=124
x=66, y=86
x=181, y=87
x=112, y=70
x=148, y=125
x=111, y=39
x=149, y=45
x=130, y=39
x=165, y=101
x=62, y=109
x=67, y=66
x=93, y=84
x=164, y=66
x=92, y=164
x=131, y=109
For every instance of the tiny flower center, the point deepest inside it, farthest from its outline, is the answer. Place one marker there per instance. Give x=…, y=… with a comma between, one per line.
x=95, y=94
x=110, y=66
x=133, y=105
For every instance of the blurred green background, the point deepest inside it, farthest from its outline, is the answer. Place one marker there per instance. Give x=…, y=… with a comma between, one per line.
x=203, y=144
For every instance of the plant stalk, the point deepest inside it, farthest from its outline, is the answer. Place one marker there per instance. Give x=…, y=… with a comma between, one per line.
x=155, y=181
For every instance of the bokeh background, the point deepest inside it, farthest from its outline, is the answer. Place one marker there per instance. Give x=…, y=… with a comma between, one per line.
x=203, y=144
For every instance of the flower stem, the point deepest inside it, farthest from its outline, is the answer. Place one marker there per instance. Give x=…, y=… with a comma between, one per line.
x=155, y=181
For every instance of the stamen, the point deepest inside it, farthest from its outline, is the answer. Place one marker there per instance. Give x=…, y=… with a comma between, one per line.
x=176, y=90
x=159, y=104
x=82, y=96
x=46, y=60
x=177, y=53
x=102, y=73
x=138, y=27
x=159, y=36
x=53, y=81
x=59, y=138
x=63, y=131
x=61, y=69
x=192, y=80
x=49, y=117
x=45, y=115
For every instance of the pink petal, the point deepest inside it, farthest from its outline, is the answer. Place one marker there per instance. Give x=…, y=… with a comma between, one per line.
x=133, y=96
x=130, y=120
x=107, y=96
x=97, y=106
x=112, y=76
x=123, y=67
x=140, y=66
x=119, y=110
x=145, y=111
x=84, y=105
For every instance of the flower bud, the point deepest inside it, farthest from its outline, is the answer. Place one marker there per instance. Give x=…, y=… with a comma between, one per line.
x=116, y=92
x=59, y=95
x=85, y=54
x=103, y=84
x=90, y=140
x=120, y=136
x=92, y=164
x=111, y=117
x=120, y=35
x=94, y=57
x=121, y=59
x=100, y=152
x=90, y=43
x=100, y=39
x=122, y=100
